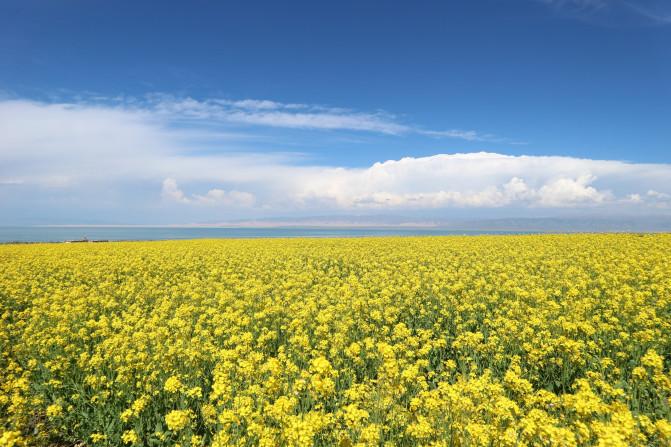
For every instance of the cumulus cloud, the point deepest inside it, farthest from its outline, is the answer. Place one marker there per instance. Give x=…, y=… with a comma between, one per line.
x=658, y=199
x=472, y=180
x=217, y=196
x=633, y=198
x=658, y=195
x=568, y=191
x=171, y=192
x=461, y=180
x=83, y=153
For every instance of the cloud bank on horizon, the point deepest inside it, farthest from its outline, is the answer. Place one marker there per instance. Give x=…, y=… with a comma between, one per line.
x=150, y=156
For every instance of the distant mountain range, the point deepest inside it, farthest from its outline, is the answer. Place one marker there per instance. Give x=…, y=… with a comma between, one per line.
x=542, y=224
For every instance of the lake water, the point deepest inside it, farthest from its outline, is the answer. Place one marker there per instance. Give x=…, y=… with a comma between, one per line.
x=59, y=234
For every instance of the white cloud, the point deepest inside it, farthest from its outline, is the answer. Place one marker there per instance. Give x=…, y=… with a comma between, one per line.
x=463, y=180
x=633, y=198
x=658, y=195
x=275, y=114
x=469, y=135
x=482, y=180
x=658, y=11
x=255, y=104
x=82, y=153
x=658, y=199
x=568, y=191
x=260, y=104
x=171, y=191
x=9, y=181
x=615, y=12
x=322, y=120
x=578, y=4
x=215, y=196
x=256, y=112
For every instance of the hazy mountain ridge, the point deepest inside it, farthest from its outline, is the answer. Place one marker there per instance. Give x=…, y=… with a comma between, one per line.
x=549, y=224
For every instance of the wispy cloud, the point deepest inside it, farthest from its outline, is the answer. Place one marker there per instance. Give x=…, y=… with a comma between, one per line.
x=469, y=135
x=660, y=13
x=273, y=114
x=579, y=4
x=615, y=12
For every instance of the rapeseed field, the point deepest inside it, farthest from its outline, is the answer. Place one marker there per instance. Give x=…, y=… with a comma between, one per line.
x=553, y=340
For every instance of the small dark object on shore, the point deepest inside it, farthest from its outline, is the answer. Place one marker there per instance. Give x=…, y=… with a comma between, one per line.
x=85, y=239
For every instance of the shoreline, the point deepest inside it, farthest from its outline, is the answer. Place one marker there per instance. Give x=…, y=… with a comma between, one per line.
x=346, y=236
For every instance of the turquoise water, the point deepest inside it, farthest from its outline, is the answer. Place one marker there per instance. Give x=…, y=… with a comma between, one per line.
x=59, y=234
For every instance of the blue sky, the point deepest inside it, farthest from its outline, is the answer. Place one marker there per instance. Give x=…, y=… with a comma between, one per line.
x=175, y=112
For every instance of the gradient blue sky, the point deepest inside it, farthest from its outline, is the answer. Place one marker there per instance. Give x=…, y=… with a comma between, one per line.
x=303, y=87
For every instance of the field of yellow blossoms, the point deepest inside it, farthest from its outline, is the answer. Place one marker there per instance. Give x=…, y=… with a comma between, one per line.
x=555, y=340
